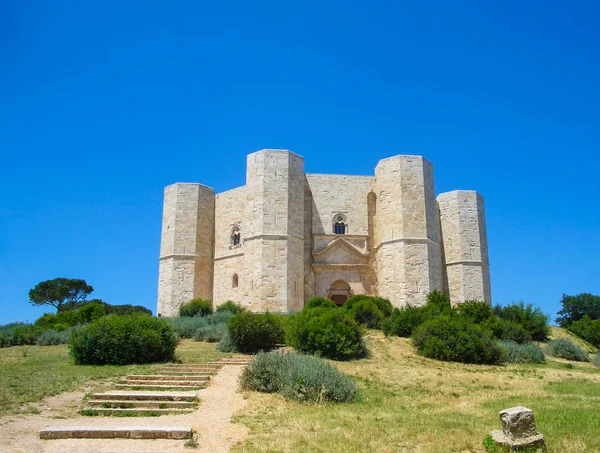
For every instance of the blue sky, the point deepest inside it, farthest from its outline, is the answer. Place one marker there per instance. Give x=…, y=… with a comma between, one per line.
x=102, y=104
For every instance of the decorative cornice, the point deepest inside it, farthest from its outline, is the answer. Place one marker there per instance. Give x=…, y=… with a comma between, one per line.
x=273, y=237
x=409, y=240
x=341, y=242
x=331, y=266
x=470, y=262
x=183, y=256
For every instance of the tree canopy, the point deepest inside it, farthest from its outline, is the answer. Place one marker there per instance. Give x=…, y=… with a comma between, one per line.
x=576, y=307
x=61, y=293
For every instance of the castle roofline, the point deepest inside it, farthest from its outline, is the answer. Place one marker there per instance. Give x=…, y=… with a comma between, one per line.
x=269, y=150
x=190, y=184
x=457, y=193
x=340, y=175
x=401, y=155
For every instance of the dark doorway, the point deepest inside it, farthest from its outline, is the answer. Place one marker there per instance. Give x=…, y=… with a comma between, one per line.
x=339, y=299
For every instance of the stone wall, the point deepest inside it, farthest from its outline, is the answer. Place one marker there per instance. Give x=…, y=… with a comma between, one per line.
x=462, y=216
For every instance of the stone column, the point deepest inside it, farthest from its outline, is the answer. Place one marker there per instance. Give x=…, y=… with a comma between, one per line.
x=186, y=247
x=464, y=239
x=406, y=230
x=274, y=230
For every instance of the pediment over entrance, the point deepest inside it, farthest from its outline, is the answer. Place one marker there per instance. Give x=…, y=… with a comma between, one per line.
x=340, y=251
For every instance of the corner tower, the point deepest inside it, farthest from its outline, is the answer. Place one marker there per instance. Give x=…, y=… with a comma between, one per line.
x=464, y=236
x=274, y=230
x=186, y=246
x=407, y=249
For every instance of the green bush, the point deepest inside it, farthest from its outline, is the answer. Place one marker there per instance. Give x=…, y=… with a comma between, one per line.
x=565, y=349
x=530, y=318
x=17, y=334
x=51, y=337
x=403, y=322
x=455, y=340
x=521, y=353
x=327, y=332
x=475, y=311
x=299, y=377
x=384, y=305
x=196, y=307
x=315, y=302
x=253, y=332
x=587, y=329
x=59, y=321
x=127, y=309
x=231, y=307
x=438, y=304
x=364, y=311
x=122, y=340
x=506, y=330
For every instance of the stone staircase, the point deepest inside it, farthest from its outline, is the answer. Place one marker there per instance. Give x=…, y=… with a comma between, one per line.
x=173, y=391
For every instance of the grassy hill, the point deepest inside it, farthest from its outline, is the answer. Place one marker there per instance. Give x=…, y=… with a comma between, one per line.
x=413, y=404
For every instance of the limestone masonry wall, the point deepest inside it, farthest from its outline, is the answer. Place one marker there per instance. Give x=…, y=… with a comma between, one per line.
x=398, y=241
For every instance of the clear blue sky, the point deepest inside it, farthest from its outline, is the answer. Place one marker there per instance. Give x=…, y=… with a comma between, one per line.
x=102, y=104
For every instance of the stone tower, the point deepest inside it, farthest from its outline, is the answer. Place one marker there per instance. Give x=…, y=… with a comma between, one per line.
x=408, y=257
x=462, y=216
x=186, y=246
x=274, y=230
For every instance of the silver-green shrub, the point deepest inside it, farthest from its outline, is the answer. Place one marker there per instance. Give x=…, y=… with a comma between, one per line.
x=565, y=349
x=50, y=337
x=300, y=377
x=596, y=360
x=521, y=353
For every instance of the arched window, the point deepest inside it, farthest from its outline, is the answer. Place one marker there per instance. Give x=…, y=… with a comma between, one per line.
x=340, y=226
x=236, y=236
x=234, y=281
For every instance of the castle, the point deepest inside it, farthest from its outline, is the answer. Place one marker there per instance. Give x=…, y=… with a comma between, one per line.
x=287, y=236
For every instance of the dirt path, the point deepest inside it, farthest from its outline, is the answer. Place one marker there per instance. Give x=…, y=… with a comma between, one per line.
x=212, y=422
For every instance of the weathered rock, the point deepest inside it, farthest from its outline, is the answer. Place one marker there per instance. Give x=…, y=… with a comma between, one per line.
x=518, y=430
x=517, y=422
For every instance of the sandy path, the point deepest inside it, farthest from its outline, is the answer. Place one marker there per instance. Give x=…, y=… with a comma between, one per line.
x=212, y=422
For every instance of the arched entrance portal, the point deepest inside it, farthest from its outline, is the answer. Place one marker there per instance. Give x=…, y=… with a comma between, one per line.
x=339, y=292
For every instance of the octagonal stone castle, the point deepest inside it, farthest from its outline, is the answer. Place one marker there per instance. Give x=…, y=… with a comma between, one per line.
x=287, y=236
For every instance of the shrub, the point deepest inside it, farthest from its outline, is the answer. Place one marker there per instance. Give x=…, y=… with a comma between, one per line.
x=521, y=353
x=121, y=340
x=253, y=332
x=364, y=311
x=22, y=335
x=211, y=333
x=91, y=312
x=531, y=318
x=225, y=344
x=231, y=307
x=455, y=340
x=127, y=309
x=475, y=311
x=506, y=330
x=50, y=337
x=384, y=305
x=299, y=377
x=326, y=332
x=315, y=302
x=565, y=349
x=196, y=307
x=403, y=322
x=596, y=360
x=59, y=321
x=587, y=329
x=186, y=327
x=437, y=304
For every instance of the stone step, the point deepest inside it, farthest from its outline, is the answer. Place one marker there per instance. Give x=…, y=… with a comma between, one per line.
x=211, y=365
x=130, y=404
x=133, y=410
x=146, y=396
x=189, y=373
x=161, y=386
x=115, y=432
x=162, y=377
x=178, y=382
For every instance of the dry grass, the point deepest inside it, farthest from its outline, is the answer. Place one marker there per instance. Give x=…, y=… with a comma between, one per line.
x=413, y=404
